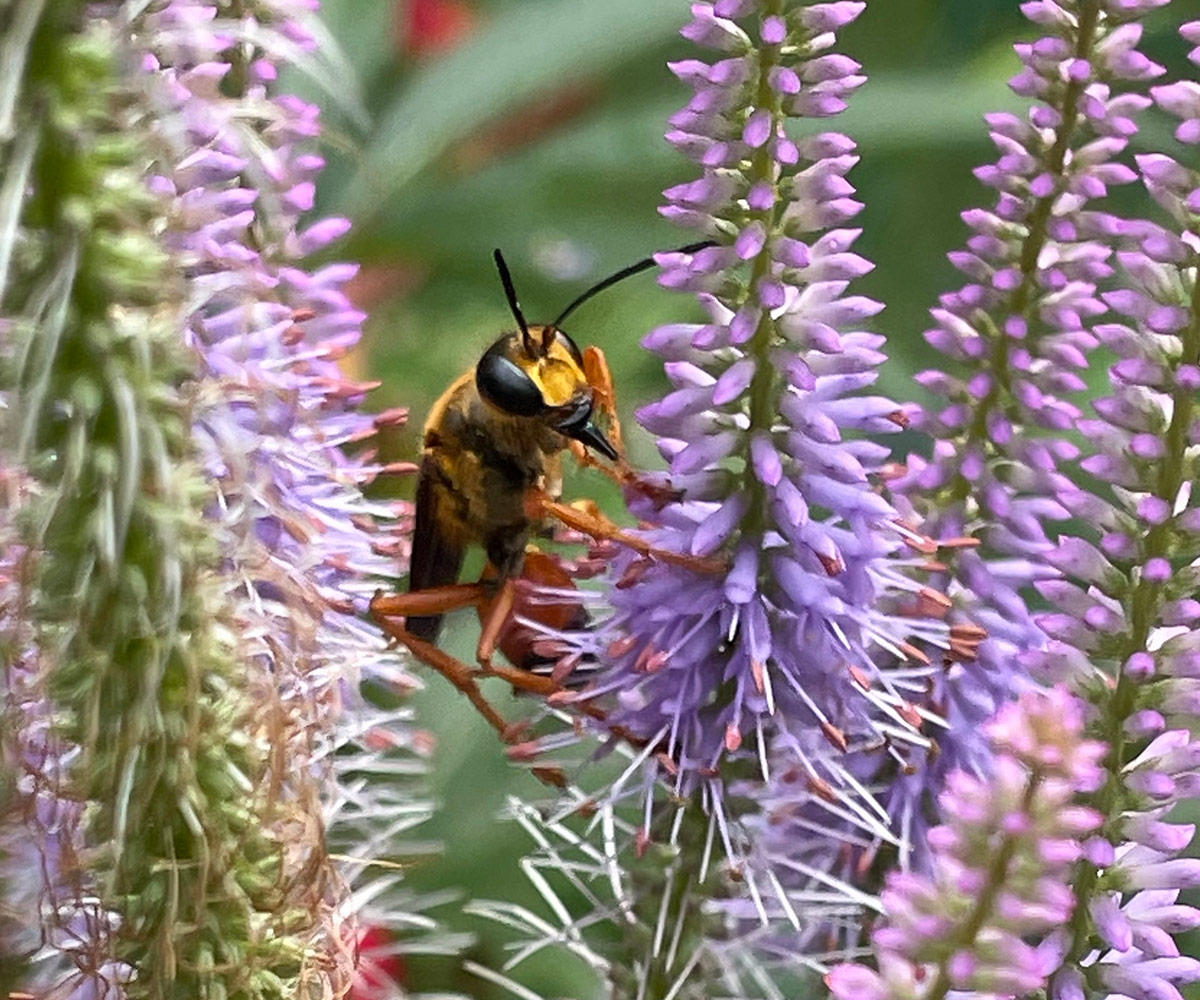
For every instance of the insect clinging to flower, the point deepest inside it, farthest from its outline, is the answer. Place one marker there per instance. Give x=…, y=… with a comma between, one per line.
x=491, y=476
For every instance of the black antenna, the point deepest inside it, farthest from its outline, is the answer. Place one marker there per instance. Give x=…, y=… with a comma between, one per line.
x=511, y=293
x=625, y=272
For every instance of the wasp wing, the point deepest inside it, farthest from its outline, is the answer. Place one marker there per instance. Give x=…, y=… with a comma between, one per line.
x=437, y=556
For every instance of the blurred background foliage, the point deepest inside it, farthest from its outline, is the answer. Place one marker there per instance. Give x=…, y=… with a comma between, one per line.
x=536, y=126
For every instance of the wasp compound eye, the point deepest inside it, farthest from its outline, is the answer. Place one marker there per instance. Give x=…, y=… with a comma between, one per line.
x=502, y=383
x=571, y=347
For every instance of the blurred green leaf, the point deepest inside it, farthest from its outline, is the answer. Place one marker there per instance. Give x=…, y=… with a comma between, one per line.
x=911, y=110
x=533, y=49
x=365, y=33
x=604, y=168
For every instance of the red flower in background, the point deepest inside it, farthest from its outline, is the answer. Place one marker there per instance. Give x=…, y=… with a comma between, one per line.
x=380, y=971
x=432, y=26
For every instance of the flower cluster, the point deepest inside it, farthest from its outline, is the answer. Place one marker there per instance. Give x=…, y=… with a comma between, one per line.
x=765, y=428
x=1122, y=629
x=1020, y=332
x=274, y=411
x=989, y=915
x=810, y=642
x=821, y=718
x=1126, y=607
x=108, y=562
x=274, y=414
x=801, y=632
x=231, y=553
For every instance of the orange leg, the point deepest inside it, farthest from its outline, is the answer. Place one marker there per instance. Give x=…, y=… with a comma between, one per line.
x=440, y=600
x=599, y=376
x=495, y=602
x=496, y=621
x=434, y=601
x=454, y=670
x=547, y=688
x=539, y=504
x=497, y=597
x=458, y=673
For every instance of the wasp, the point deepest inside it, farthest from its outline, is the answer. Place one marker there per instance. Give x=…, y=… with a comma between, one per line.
x=491, y=476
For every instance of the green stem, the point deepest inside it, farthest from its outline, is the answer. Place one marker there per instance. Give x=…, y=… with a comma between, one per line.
x=762, y=385
x=234, y=84
x=763, y=390
x=670, y=908
x=664, y=946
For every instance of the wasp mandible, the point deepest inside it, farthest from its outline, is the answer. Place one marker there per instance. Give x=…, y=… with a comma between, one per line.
x=491, y=473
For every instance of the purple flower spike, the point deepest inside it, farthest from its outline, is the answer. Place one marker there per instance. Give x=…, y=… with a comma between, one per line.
x=1132, y=579
x=987, y=916
x=782, y=689
x=276, y=420
x=176, y=727
x=269, y=336
x=801, y=643
x=1020, y=331
x=765, y=430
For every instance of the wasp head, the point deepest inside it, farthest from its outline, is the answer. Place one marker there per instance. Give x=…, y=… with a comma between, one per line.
x=537, y=372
